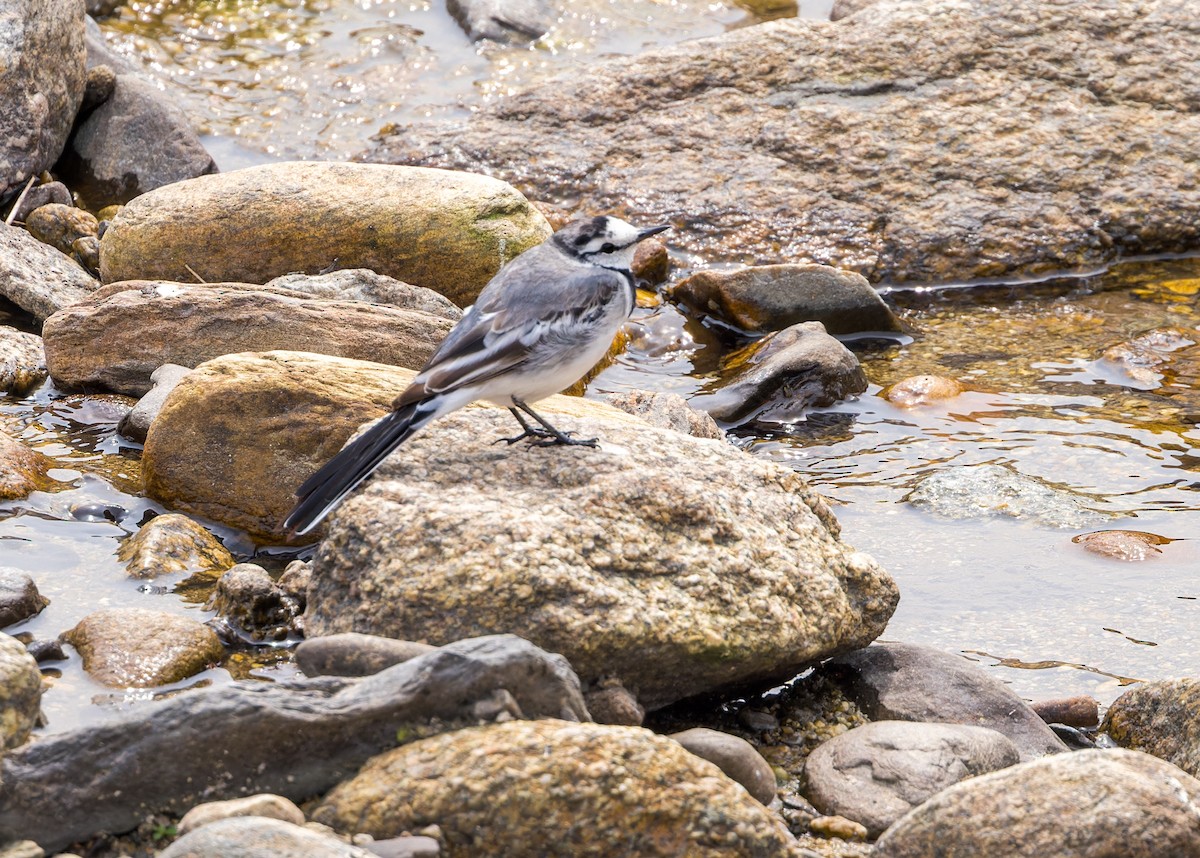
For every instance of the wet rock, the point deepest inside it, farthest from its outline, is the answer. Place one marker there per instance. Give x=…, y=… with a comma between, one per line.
x=1128, y=545
x=134, y=142
x=710, y=567
x=521, y=788
x=773, y=297
x=254, y=604
x=1080, y=711
x=610, y=702
x=173, y=543
x=668, y=411
x=503, y=20
x=58, y=225
x=1098, y=804
x=119, y=338
x=139, y=648
x=446, y=231
x=22, y=361
x=354, y=654
x=1143, y=359
x=19, y=597
x=651, y=262
x=41, y=85
x=240, y=739
x=916, y=144
x=136, y=424
x=262, y=805
x=977, y=491
x=38, y=196
x=20, y=696
x=876, y=773
x=780, y=376
x=362, y=284
x=258, y=837
x=910, y=682
x=1160, y=718
x=46, y=650
x=36, y=277
x=733, y=755
x=919, y=390
x=22, y=470
x=242, y=431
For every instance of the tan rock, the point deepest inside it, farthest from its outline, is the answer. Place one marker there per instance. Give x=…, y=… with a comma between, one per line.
x=22, y=469
x=917, y=390
x=1128, y=545
x=552, y=788
x=59, y=226
x=117, y=339
x=241, y=432
x=173, y=543
x=22, y=361
x=1160, y=718
x=139, y=648
x=263, y=805
x=448, y=231
x=20, y=693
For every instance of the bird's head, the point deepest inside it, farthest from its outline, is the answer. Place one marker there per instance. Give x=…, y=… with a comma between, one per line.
x=604, y=240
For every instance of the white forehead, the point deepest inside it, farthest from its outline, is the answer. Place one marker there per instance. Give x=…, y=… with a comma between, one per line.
x=620, y=232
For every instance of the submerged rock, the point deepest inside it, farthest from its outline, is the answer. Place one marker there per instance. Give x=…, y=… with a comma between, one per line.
x=41, y=85
x=919, y=390
x=240, y=739
x=876, y=773
x=20, y=696
x=1128, y=545
x=919, y=142
x=139, y=648
x=36, y=277
x=22, y=361
x=173, y=543
x=525, y=788
x=910, y=682
x=676, y=565
x=773, y=297
x=120, y=336
x=19, y=597
x=447, y=231
x=782, y=375
x=1160, y=718
x=1088, y=804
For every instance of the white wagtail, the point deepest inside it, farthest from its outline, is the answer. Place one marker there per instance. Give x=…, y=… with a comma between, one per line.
x=542, y=322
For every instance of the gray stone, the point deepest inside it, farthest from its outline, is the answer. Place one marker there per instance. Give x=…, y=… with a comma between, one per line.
x=845, y=8
x=503, y=20
x=354, y=654
x=979, y=491
x=38, y=196
x=136, y=424
x=22, y=361
x=777, y=378
x=876, y=773
x=134, y=142
x=708, y=566
x=733, y=755
x=242, y=738
x=261, y=805
x=668, y=411
x=41, y=85
x=1161, y=718
x=916, y=143
x=20, y=700
x=412, y=846
x=363, y=284
x=19, y=597
x=258, y=837
x=253, y=605
x=773, y=297
x=610, y=702
x=125, y=331
x=910, y=682
x=1088, y=804
x=36, y=277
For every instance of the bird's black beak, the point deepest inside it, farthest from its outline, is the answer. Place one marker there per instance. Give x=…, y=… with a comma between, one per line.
x=652, y=230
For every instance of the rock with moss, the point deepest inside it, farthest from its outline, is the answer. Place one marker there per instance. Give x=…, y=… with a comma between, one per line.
x=448, y=231
x=550, y=788
x=1160, y=718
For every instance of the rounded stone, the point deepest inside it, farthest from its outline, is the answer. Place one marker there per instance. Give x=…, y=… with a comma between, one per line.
x=917, y=390
x=1160, y=718
x=734, y=756
x=263, y=805
x=173, y=543
x=20, y=693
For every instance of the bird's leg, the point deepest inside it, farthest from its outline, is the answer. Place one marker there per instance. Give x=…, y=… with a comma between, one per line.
x=528, y=431
x=549, y=436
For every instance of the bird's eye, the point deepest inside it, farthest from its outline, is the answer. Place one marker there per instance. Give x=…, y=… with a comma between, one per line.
x=608, y=247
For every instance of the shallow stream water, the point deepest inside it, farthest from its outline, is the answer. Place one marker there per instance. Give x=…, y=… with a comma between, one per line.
x=273, y=80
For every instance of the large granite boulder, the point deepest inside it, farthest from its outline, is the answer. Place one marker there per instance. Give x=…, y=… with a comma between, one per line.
x=920, y=141
x=675, y=564
x=448, y=231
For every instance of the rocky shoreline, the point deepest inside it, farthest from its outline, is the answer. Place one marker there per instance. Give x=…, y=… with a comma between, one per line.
x=659, y=647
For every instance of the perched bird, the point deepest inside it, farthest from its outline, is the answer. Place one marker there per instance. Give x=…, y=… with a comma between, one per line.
x=542, y=322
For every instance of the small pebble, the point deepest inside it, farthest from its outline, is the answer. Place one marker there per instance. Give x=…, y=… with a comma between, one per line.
x=839, y=827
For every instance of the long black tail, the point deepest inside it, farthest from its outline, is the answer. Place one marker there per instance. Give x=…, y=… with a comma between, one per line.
x=325, y=489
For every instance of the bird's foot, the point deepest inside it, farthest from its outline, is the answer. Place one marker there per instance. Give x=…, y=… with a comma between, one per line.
x=531, y=432
x=564, y=438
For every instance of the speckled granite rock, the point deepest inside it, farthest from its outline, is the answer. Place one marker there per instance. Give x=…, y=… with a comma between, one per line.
x=22, y=361
x=1159, y=718
x=20, y=693
x=550, y=788
x=36, y=277
x=173, y=543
